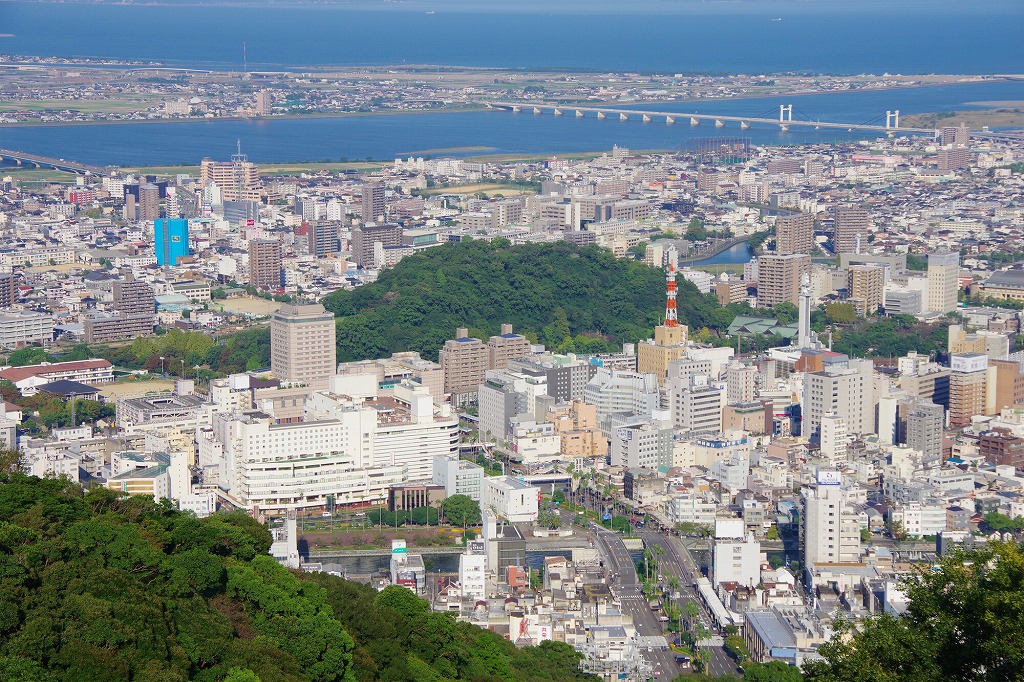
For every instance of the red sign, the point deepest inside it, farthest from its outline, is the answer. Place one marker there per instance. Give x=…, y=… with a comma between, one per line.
x=250, y=222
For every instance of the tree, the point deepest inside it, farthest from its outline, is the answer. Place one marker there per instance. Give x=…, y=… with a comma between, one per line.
x=964, y=621
x=29, y=355
x=462, y=509
x=841, y=313
x=773, y=671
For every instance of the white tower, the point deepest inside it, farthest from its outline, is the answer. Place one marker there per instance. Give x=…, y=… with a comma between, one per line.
x=804, y=339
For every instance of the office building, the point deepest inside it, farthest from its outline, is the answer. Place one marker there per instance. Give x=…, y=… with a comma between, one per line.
x=458, y=476
x=464, y=362
x=736, y=556
x=695, y=404
x=365, y=238
x=323, y=239
x=843, y=388
x=654, y=355
x=852, y=226
x=510, y=499
x=866, y=284
x=170, y=241
x=566, y=376
x=302, y=343
x=149, y=202
x=954, y=136
x=779, y=278
x=830, y=529
x=505, y=347
x=373, y=203
x=1009, y=372
x=265, y=264
x=794, y=233
x=943, y=282
x=626, y=394
x=968, y=387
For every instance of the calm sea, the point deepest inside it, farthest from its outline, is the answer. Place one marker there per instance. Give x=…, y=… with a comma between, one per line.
x=738, y=36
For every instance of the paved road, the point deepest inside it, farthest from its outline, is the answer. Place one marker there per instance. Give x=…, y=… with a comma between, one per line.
x=678, y=562
x=626, y=588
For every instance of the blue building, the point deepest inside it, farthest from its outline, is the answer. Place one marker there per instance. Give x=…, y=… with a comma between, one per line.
x=170, y=240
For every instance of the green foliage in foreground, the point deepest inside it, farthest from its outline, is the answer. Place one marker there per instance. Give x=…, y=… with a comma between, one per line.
x=567, y=297
x=965, y=622
x=94, y=588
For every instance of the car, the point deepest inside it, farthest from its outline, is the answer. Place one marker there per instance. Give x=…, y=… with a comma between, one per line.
x=326, y=515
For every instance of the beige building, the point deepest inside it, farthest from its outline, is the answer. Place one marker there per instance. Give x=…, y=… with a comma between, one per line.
x=506, y=346
x=576, y=425
x=237, y=180
x=464, y=362
x=943, y=282
x=302, y=344
x=779, y=277
x=102, y=327
x=866, y=284
x=851, y=229
x=794, y=233
x=653, y=355
x=969, y=386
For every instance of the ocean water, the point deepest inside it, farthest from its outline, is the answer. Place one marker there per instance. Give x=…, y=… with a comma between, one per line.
x=738, y=36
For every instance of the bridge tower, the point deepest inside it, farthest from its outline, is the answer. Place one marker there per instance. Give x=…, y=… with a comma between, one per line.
x=892, y=119
x=785, y=113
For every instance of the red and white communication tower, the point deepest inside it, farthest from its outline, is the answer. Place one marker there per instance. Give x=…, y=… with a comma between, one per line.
x=671, y=316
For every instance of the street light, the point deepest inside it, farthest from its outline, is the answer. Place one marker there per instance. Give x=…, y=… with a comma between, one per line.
x=161, y=365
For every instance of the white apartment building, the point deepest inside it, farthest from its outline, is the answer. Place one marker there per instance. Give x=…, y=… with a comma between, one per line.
x=686, y=505
x=696, y=404
x=830, y=528
x=614, y=392
x=919, y=519
x=19, y=328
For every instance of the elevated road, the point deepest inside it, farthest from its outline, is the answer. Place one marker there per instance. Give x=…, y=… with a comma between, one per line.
x=785, y=121
x=40, y=161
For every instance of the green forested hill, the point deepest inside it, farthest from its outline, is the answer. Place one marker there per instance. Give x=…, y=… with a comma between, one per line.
x=567, y=297
x=98, y=588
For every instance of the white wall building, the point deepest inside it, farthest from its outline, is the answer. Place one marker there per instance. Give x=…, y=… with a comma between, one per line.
x=510, y=499
x=736, y=556
x=458, y=476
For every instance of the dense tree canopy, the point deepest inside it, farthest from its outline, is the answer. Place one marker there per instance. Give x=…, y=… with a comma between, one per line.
x=95, y=587
x=965, y=621
x=567, y=297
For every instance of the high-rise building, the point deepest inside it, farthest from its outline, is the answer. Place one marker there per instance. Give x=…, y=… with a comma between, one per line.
x=237, y=180
x=506, y=346
x=132, y=297
x=924, y=422
x=954, y=136
x=866, y=284
x=654, y=355
x=1009, y=380
x=464, y=361
x=956, y=158
x=323, y=239
x=302, y=344
x=779, y=278
x=170, y=240
x=943, y=281
x=149, y=202
x=852, y=225
x=264, y=103
x=364, y=238
x=741, y=383
x=834, y=439
x=373, y=202
x=968, y=387
x=830, y=528
x=265, y=264
x=844, y=388
x=8, y=289
x=794, y=233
